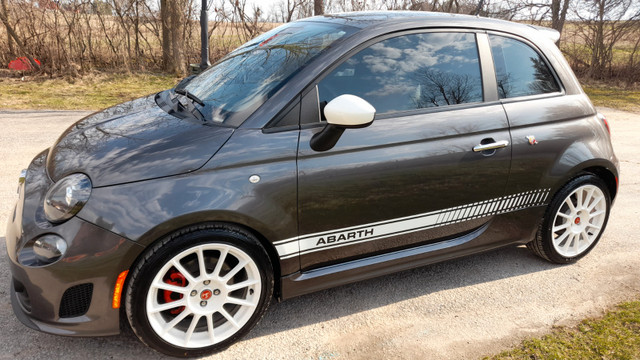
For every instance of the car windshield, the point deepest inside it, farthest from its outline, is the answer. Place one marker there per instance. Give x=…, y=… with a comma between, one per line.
x=244, y=79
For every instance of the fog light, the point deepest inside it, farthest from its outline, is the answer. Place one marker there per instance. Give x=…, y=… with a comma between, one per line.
x=49, y=248
x=42, y=251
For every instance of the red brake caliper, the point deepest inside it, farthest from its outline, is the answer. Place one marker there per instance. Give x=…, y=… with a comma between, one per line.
x=174, y=277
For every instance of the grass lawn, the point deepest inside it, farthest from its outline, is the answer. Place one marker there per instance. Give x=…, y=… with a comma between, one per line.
x=614, y=336
x=614, y=97
x=93, y=92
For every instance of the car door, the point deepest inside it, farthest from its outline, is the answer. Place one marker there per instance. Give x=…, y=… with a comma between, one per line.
x=412, y=176
x=544, y=119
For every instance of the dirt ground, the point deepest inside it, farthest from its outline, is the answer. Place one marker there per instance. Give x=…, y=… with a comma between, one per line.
x=460, y=309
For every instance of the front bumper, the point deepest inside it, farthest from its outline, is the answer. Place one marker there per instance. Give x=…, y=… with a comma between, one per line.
x=73, y=295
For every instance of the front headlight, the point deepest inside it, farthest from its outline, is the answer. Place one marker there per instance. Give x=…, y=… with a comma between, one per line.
x=67, y=197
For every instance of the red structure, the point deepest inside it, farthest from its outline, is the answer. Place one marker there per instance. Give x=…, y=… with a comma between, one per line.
x=22, y=64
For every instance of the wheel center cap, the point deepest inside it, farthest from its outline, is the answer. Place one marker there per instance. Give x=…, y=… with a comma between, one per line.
x=577, y=220
x=206, y=294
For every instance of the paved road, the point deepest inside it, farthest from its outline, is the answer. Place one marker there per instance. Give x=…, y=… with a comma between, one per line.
x=459, y=309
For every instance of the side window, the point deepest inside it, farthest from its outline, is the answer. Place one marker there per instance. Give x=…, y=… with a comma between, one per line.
x=520, y=70
x=410, y=72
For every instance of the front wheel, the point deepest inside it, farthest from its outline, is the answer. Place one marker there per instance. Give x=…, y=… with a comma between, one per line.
x=574, y=222
x=199, y=292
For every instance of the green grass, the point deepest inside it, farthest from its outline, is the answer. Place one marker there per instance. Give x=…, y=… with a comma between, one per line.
x=93, y=92
x=614, y=97
x=614, y=336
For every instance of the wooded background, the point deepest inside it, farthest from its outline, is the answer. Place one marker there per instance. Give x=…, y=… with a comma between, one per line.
x=600, y=38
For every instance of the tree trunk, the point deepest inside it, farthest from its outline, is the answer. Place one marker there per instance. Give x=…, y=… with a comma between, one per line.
x=597, y=57
x=558, y=15
x=172, y=17
x=9, y=39
x=318, y=7
x=177, y=38
x=136, y=27
x=479, y=7
x=167, y=60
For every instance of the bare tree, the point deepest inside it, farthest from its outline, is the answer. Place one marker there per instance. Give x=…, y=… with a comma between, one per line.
x=559, y=10
x=604, y=23
x=286, y=10
x=5, y=11
x=539, y=11
x=12, y=33
x=441, y=88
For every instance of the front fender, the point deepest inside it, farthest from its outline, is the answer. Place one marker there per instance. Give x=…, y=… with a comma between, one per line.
x=220, y=191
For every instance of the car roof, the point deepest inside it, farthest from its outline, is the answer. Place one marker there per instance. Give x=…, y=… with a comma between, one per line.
x=411, y=19
x=365, y=19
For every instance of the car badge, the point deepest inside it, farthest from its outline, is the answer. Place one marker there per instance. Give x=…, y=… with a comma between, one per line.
x=206, y=295
x=532, y=140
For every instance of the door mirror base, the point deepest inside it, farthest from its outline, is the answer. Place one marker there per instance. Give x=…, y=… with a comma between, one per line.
x=327, y=138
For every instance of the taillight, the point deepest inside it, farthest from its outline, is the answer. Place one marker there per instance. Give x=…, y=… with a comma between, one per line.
x=604, y=120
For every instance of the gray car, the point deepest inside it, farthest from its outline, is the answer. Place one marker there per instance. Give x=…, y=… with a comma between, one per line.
x=324, y=152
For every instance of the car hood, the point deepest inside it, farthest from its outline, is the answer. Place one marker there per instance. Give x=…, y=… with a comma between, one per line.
x=131, y=142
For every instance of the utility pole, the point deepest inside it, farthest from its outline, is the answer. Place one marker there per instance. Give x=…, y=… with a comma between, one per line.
x=204, y=37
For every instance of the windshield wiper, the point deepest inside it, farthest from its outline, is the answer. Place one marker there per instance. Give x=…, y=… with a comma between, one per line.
x=189, y=95
x=170, y=103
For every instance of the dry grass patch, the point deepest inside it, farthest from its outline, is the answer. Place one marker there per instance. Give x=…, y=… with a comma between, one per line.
x=627, y=99
x=92, y=92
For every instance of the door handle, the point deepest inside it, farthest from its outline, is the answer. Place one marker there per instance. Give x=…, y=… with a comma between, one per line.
x=491, y=146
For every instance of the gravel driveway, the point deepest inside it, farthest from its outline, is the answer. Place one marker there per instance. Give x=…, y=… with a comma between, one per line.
x=459, y=309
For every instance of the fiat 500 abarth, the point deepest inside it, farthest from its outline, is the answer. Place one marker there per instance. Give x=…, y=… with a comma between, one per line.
x=323, y=152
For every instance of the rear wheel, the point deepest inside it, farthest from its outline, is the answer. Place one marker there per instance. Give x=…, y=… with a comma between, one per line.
x=200, y=291
x=574, y=221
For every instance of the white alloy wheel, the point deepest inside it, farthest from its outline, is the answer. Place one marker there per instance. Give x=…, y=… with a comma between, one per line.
x=203, y=295
x=579, y=220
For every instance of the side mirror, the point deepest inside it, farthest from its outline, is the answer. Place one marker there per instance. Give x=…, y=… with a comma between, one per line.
x=345, y=111
x=349, y=111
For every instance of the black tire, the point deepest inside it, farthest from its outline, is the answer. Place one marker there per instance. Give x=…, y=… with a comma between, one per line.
x=209, y=242
x=574, y=237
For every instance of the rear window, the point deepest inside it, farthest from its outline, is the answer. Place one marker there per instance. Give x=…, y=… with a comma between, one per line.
x=520, y=70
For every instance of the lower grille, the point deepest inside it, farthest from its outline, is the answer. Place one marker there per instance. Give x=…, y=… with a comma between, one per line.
x=76, y=301
x=22, y=295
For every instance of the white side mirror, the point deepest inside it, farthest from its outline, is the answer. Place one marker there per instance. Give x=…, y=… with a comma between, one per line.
x=345, y=111
x=349, y=111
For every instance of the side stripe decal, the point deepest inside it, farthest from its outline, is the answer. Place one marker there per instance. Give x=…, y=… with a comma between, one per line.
x=309, y=243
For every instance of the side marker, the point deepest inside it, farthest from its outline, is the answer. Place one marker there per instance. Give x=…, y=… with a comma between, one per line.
x=117, y=290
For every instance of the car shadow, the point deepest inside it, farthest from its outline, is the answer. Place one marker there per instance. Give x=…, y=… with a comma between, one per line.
x=298, y=312
x=511, y=261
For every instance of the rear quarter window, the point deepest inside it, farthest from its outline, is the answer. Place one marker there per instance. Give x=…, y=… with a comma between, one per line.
x=520, y=70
